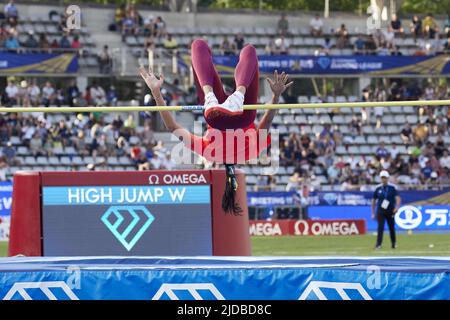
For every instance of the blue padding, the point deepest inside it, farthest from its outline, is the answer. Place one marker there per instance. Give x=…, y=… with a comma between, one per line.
x=227, y=278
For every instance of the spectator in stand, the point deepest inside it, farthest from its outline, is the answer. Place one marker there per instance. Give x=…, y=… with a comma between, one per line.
x=281, y=46
x=119, y=16
x=98, y=95
x=227, y=48
x=445, y=159
x=389, y=37
x=31, y=41
x=9, y=152
x=370, y=45
x=327, y=45
x=170, y=43
x=396, y=25
x=11, y=13
x=283, y=25
x=160, y=27
x=64, y=42
x=72, y=93
x=316, y=26
x=359, y=46
x=447, y=26
x=429, y=27
x=34, y=93
x=104, y=61
x=54, y=44
x=36, y=145
x=239, y=41
x=416, y=27
x=12, y=44
x=342, y=37
x=128, y=26
x=44, y=45
x=76, y=44
x=382, y=152
x=149, y=26
x=406, y=134
x=12, y=92
x=48, y=94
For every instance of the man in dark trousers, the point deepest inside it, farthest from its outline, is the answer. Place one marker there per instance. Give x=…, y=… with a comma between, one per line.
x=385, y=204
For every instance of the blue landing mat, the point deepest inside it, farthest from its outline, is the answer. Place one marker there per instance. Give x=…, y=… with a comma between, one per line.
x=230, y=278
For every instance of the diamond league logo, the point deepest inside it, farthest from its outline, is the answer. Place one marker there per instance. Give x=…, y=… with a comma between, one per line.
x=126, y=236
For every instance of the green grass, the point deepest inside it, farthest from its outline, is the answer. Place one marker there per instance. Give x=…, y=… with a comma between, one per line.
x=408, y=245
x=3, y=248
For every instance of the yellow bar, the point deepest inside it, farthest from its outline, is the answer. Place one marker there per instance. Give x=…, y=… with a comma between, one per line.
x=246, y=107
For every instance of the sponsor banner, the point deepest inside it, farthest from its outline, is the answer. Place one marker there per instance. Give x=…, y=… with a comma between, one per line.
x=5, y=209
x=409, y=217
x=232, y=278
x=38, y=62
x=307, y=227
x=345, y=198
x=371, y=65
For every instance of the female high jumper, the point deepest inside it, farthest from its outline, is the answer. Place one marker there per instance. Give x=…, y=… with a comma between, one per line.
x=223, y=112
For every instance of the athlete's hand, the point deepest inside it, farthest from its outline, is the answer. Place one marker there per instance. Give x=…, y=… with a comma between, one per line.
x=279, y=83
x=153, y=83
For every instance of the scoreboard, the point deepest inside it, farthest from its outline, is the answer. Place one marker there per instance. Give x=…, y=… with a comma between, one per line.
x=171, y=213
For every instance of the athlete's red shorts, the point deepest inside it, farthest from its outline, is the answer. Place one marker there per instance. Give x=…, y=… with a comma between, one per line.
x=247, y=145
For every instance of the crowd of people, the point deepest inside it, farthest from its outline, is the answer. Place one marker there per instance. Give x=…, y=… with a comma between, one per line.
x=427, y=163
x=89, y=135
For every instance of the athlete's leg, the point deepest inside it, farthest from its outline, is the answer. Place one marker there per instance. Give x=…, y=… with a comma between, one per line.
x=205, y=74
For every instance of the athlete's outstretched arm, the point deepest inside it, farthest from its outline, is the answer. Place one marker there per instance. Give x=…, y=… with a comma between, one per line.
x=154, y=84
x=278, y=85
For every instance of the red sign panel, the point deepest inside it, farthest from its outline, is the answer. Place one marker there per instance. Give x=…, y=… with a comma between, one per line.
x=307, y=227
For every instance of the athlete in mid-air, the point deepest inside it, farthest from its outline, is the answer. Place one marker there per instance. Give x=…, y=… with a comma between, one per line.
x=223, y=112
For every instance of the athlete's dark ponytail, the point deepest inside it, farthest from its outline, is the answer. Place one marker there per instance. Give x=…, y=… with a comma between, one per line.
x=228, y=200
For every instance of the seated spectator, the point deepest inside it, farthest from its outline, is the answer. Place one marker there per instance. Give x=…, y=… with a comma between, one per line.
x=283, y=25
x=416, y=27
x=48, y=94
x=128, y=26
x=447, y=25
x=104, y=61
x=64, y=42
x=282, y=46
x=54, y=44
x=444, y=161
x=34, y=93
x=389, y=37
x=149, y=26
x=382, y=152
x=43, y=42
x=447, y=45
x=36, y=145
x=239, y=41
x=429, y=27
x=227, y=48
x=370, y=45
x=12, y=92
x=326, y=46
x=342, y=37
x=98, y=95
x=76, y=44
x=316, y=26
x=359, y=45
x=119, y=16
x=12, y=44
x=396, y=25
x=9, y=152
x=11, y=13
x=31, y=41
x=170, y=43
x=406, y=134
x=160, y=27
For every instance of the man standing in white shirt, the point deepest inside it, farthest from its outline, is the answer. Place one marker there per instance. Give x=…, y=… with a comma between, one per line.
x=316, y=25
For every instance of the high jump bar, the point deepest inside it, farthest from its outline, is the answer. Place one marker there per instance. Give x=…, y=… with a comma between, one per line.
x=246, y=107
